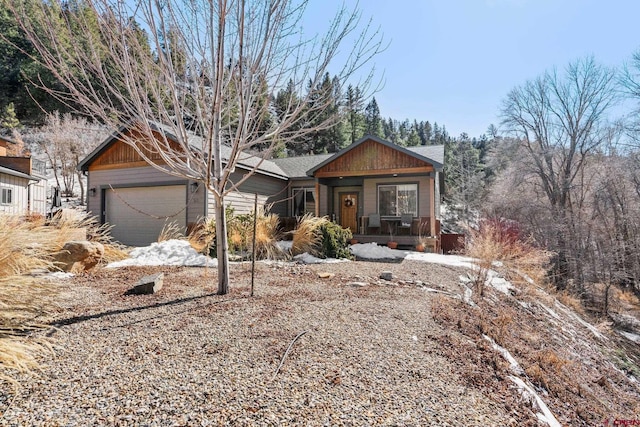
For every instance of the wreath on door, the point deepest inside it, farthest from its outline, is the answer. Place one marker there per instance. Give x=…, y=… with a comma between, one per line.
x=348, y=202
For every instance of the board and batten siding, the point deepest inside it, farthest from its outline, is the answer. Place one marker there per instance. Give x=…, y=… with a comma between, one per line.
x=38, y=194
x=269, y=190
x=19, y=194
x=146, y=176
x=371, y=192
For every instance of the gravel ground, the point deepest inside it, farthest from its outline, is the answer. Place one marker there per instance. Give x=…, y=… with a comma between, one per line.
x=187, y=357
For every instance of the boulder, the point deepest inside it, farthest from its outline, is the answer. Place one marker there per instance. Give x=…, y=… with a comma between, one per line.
x=77, y=256
x=148, y=284
x=386, y=275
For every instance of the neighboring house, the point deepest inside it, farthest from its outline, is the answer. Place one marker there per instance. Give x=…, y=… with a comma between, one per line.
x=370, y=176
x=23, y=183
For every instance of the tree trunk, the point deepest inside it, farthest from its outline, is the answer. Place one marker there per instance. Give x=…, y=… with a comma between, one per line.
x=83, y=197
x=222, y=246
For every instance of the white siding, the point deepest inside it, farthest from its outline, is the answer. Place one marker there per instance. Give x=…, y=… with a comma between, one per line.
x=19, y=194
x=39, y=197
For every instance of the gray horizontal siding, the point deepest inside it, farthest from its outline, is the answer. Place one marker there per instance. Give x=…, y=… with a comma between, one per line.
x=140, y=177
x=269, y=190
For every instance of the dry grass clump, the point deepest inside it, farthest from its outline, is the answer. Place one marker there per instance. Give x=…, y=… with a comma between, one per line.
x=80, y=225
x=170, y=230
x=240, y=234
x=28, y=244
x=306, y=237
x=501, y=240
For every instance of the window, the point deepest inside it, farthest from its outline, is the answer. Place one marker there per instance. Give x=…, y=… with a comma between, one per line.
x=6, y=196
x=304, y=201
x=395, y=200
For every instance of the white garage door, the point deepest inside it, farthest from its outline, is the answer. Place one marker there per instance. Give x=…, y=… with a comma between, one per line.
x=133, y=212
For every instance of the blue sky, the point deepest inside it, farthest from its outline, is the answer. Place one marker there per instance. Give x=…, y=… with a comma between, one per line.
x=454, y=61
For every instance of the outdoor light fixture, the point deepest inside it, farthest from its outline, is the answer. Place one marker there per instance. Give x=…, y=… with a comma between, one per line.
x=194, y=187
x=92, y=190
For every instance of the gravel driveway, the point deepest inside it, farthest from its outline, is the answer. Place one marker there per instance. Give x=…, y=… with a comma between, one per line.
x=187, y=357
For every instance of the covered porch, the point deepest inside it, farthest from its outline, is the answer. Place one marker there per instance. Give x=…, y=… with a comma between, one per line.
x=379, y=190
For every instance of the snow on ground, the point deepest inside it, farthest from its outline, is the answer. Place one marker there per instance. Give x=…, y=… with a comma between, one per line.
x=169, y=252
x=525, y=388
x=306, y=258
x=373, y=251
x=630, y=336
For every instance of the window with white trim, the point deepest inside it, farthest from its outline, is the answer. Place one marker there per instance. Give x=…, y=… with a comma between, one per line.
x=304, y=201
x=395, y=200
x=6, y=196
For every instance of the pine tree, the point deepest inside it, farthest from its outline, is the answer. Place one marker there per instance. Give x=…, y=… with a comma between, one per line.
x=353, y=106
x=9, y=119
x=372, y=119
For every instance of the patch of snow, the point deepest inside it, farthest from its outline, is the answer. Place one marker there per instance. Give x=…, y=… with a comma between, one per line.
x=373, y=251
x=169, y=252
x=513, y=363
x=59, y=275
x=529, y=393
x=579, y=319
x=550, y=311
x=630, y=336
x=525, y=389
x=499, y=283
x=307, y=258
x=285, y=245
x=451, y=260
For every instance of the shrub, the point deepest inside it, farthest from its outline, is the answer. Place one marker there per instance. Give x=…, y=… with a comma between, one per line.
x=335, y=241
x=501, y=240
x=321, y=237
x=306, y=236
x=239, y=234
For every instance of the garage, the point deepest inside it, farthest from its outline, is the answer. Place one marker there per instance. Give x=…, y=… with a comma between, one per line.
x=138, y=214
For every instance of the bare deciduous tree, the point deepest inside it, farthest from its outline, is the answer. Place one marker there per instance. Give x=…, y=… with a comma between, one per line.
x=66, y=140
x=205, y=67
x=558, y=118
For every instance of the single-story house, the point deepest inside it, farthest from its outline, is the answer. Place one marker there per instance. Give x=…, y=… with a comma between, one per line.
x=23, y=183
x=368, y=178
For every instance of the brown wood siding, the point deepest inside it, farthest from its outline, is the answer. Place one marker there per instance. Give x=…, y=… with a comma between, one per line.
x=371, y=158
x=122, y=155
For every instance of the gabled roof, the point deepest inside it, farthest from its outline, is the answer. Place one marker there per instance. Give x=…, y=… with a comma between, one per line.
x=246, y=161
x=297, y=167
x=433, y=154
x=285, y=168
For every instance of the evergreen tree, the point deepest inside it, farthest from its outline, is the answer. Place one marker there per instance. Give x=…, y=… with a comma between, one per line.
x=9, y=120
x=372, y=119
x=353, y=106
x=428, y=133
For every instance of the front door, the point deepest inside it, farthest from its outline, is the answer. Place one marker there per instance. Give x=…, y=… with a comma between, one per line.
x=349, y=211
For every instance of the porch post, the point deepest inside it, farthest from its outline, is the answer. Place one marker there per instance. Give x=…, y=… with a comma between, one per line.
x=317, y=198
x=432, y=204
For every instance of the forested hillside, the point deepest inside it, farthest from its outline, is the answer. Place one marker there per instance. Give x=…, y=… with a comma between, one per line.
x=561, y=167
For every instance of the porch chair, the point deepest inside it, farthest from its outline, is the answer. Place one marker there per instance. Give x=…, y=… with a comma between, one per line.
x=374, y=222
x=406, y=220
